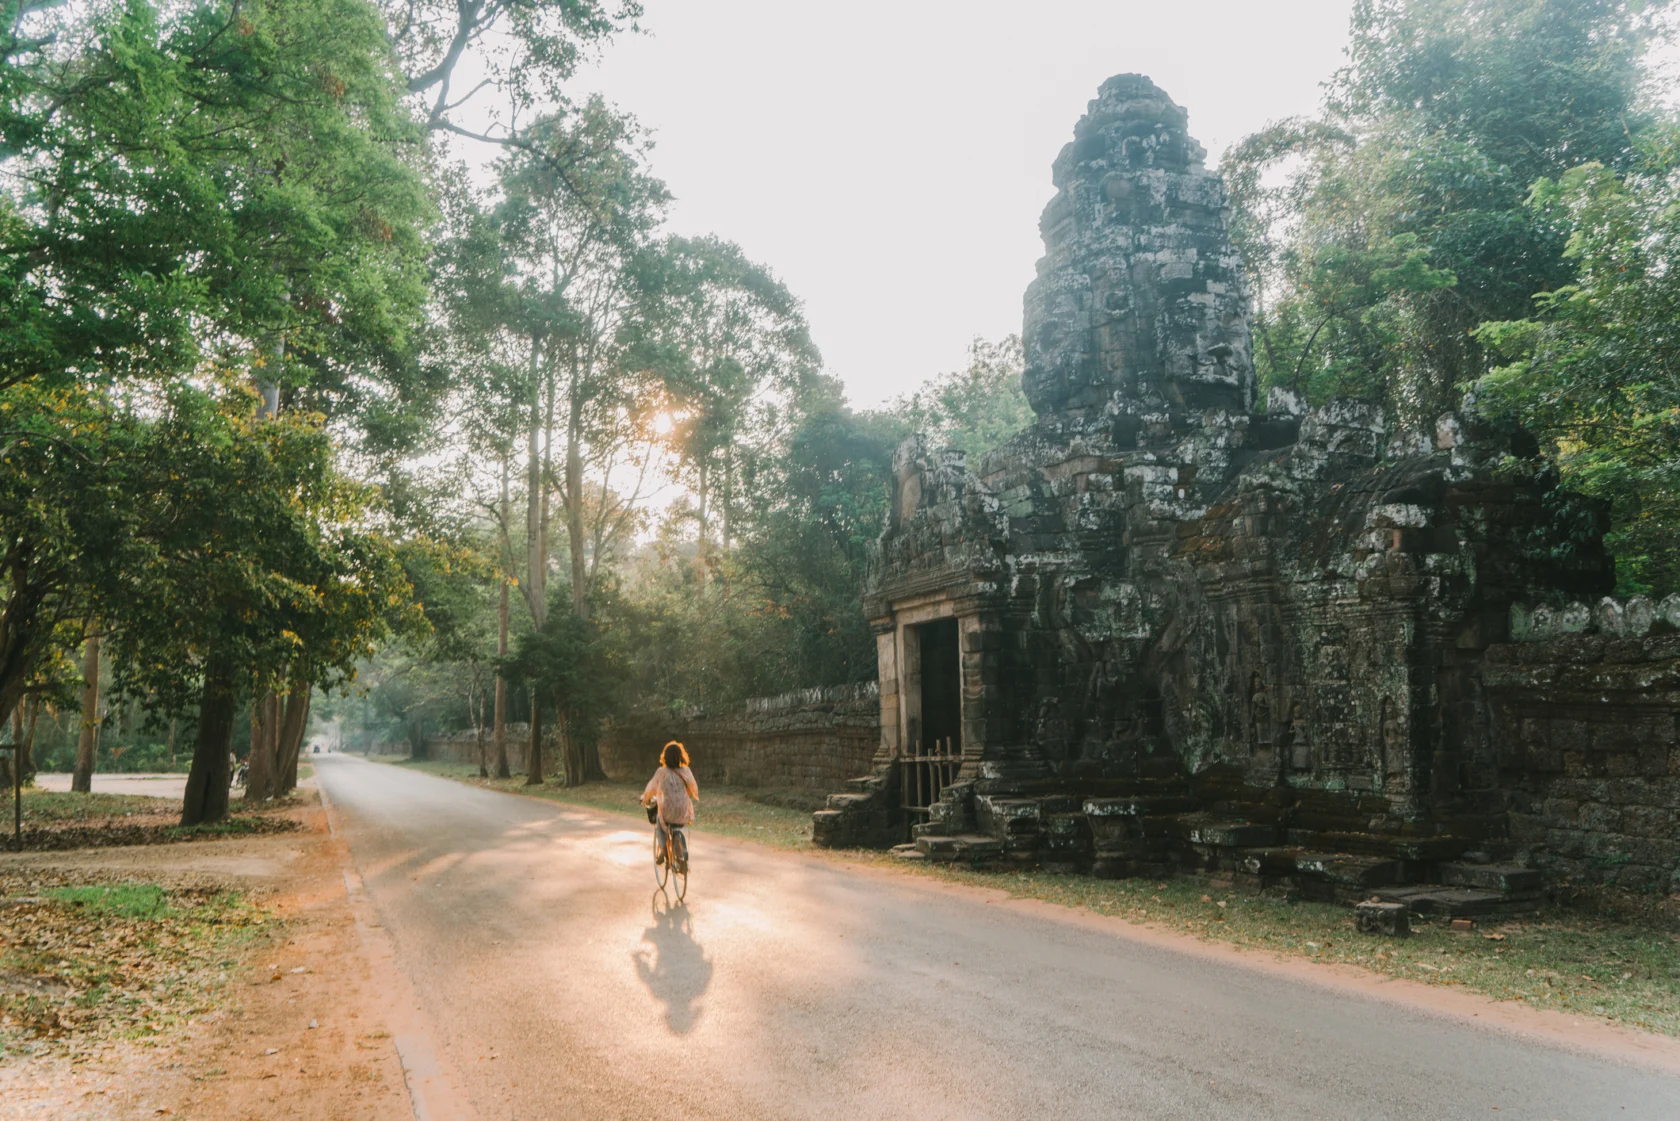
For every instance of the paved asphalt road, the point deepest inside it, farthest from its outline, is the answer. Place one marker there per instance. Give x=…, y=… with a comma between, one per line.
x=794, y=988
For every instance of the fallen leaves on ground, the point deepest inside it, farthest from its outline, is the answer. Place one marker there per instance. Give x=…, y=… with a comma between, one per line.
x=81, y=961
x=55, y=821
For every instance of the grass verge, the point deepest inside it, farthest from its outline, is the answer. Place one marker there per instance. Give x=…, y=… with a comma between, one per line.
x=84, y=962
x=59, y=820
x=1617, y=971
x=60, y=807
x=724, y=810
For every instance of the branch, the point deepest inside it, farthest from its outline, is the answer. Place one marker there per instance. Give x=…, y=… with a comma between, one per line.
x=467, y=23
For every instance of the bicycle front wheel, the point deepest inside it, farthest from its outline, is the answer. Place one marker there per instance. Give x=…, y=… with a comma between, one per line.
x=661, y=860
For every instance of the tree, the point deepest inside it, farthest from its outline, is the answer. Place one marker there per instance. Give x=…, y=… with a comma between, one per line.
x=1593, y=371
x=270, y=569
x=975, y=409
x=545, y=281
x=1400, y=223
x=202, y=190
x=732, y=348
x=538, y=45
x=574, y=666
x=70, y=528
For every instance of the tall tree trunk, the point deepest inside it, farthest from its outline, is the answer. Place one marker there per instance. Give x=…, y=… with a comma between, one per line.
x=206, y=799
x=26, y=753
x=501, y=686
x=590, y=752
x=536, y=537
x=533, y=757
x=726, y=498
x=574, y=496
x=568, y=759
x=265, y=735
x=293, y=722
x=87, y=744
x=15, y=759
x=705, y=529
x=477, y=702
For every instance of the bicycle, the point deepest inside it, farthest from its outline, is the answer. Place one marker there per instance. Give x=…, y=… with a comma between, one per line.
x=671, y=843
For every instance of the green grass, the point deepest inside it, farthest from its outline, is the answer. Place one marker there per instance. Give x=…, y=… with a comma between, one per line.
x=723, y=810
x=239, y=823
x=49, y=807
x=1616, y=971
x=134, y=901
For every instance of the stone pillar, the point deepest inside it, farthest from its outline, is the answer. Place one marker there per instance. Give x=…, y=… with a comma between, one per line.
x=910, y=687
x=971, y=638
x=886, y=654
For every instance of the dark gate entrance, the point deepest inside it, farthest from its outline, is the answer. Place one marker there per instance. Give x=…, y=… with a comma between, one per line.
x=930, y=761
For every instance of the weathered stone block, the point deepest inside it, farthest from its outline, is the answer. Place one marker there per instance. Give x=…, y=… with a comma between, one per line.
x=1390, y=919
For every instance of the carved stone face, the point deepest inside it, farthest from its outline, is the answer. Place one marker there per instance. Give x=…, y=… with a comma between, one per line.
x=1138, y=306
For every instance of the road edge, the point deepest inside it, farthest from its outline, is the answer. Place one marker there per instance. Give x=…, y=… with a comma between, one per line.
x=435, y=1092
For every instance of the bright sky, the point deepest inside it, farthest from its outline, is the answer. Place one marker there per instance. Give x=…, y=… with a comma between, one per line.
x=889, y=158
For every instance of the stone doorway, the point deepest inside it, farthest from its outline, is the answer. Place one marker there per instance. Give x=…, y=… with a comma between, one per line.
x=933, y=755
x=941, y=674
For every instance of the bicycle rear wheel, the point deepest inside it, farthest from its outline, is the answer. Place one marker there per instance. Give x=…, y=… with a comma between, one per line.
x=679, y=858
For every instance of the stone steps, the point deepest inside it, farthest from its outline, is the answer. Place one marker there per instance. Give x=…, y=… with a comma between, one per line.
x=974, y=847
x=1426, y=849
x=1442, y=901
x=1160, y=833
x=1509, y=879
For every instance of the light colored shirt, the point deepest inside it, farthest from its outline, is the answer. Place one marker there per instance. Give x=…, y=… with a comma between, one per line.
x=675, y=793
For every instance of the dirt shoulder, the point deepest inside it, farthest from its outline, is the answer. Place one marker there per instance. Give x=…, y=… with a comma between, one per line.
x=286, y=1012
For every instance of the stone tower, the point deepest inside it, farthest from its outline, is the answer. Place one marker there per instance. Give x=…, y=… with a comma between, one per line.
x=1160, y=629
x=1138, y=310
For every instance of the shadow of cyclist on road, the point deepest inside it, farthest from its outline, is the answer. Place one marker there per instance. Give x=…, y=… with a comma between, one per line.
x=673, y=965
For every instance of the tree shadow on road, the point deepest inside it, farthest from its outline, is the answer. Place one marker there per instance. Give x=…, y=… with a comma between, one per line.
x=673, y=965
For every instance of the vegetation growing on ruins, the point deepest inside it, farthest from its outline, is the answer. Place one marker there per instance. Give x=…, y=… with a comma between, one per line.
x=1485, y=208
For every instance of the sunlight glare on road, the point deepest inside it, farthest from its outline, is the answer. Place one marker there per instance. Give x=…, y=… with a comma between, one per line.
x=626, y=847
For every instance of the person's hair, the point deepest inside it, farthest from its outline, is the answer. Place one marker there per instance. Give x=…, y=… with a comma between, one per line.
x=675, y=755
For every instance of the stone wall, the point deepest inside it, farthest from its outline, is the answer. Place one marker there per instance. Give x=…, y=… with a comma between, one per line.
x=462, y=747
x=812, y=739
x=1585, y=721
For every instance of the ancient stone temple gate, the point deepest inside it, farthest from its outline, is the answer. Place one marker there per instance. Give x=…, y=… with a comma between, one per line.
x=1164, y=627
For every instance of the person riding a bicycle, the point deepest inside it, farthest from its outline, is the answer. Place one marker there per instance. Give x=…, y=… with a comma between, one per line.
x=673, y=791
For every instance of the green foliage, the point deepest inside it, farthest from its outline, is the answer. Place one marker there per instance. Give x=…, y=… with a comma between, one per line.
x=1593, y=370
x=199, y=181
x=264, y=555
x=574, y=666
x=1384, y=234
x=731, y=347
x=199, y=197
x=975, y=409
